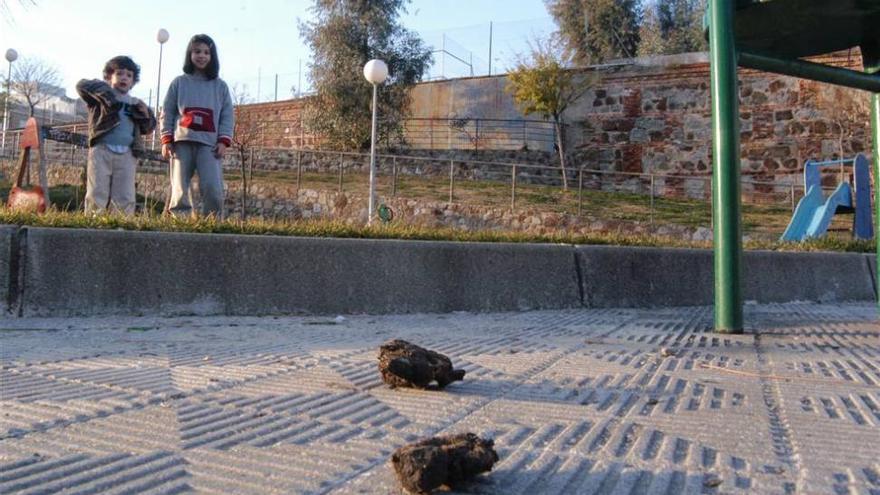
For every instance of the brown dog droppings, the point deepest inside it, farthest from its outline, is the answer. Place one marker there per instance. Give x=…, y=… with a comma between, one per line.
x=448, y=460
x=407, y=365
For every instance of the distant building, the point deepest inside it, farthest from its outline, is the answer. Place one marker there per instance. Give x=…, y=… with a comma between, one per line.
x=58, y=108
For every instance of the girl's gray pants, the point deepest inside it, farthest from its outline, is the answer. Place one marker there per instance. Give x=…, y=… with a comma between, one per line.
x=191, y=157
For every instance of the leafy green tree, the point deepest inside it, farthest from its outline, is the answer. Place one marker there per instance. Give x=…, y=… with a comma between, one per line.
x=345, y=35
x=673, y=26
x=544, y=83
x=594, y=31
x=651, y=40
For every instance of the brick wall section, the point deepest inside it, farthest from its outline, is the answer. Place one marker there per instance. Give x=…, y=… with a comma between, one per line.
x=651, y=116
x=658, y=120
x=279, y=123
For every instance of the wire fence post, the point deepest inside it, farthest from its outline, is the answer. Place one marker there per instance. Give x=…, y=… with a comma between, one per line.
x=476, y=134
x=299, y=170
x=341, y=167
x=449, y=135
x=394, y=176
x=652, y=199
x=73, y=149
x=513, y=189
x=524, y=141
x=249, y=175
x=451, y=180
x=580, y=190
x=76, y=187
x=791, y=195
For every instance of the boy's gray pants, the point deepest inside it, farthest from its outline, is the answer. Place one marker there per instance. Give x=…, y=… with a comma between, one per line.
x=110, y=181
x=191, y=157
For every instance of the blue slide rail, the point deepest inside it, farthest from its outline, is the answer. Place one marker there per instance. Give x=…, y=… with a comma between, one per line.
x=814, y=212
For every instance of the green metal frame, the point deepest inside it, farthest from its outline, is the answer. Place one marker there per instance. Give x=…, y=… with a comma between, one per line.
x=810, y=70
x=724, y=57
x=875, y=128
x=871, y=57
x=725, y=179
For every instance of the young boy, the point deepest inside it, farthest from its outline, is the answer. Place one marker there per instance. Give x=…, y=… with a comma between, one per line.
x=116, y=122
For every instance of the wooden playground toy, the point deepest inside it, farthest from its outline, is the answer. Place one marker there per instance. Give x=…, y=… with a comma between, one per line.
x=23, y=197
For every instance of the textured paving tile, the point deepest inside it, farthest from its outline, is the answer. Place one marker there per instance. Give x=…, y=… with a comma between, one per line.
x=613, y=401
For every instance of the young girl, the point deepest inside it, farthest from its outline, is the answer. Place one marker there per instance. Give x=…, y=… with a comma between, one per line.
x=197, y=128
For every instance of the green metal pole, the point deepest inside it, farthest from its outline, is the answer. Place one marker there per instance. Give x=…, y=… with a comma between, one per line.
x=871, y=63
x=875, y=131
x=726, y=187
x=810, y=70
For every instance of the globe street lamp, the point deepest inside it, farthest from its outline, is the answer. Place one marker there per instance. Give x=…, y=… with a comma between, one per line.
x=161, y=37
x=376, y=71
x=11, y=56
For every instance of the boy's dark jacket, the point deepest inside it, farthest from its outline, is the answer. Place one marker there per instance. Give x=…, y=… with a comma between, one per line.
x=104, y=112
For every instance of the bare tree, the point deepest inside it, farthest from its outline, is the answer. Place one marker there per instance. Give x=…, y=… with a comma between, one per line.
x=848, y=110
x=35, y=80
x=246, y=135
x=6, y=12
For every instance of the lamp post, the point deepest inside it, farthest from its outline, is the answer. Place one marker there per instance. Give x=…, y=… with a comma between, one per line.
x=376, y=71
x=161, y=37
x=11, y=56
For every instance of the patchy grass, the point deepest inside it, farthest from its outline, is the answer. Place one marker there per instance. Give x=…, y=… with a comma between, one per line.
x=322, y=228
x=768, y=219
x=67, y=197
x=758, y=220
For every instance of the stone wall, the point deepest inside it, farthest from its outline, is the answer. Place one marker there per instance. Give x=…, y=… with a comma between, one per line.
x=657, y=119
x=652, y=115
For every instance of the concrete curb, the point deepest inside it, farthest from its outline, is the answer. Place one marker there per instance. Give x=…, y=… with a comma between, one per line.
x=823, y=277
x=111, y=272
x=639, y=277
x=615, y=276
x=65, y=272
x=872, y=271
x=8, y=266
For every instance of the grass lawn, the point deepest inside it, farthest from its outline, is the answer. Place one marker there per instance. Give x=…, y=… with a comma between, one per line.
x=603, y=205
x=769, y=219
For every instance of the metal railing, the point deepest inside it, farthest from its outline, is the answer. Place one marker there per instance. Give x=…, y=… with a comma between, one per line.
x=418, y=133
x=428, y=134
x=478, y=134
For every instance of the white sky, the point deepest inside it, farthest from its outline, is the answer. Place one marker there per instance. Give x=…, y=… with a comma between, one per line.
x=256, y=39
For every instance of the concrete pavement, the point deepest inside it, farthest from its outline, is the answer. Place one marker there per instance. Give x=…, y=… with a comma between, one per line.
x=606, y=401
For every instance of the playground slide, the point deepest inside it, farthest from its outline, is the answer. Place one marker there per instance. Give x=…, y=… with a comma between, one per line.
x=813, y=214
